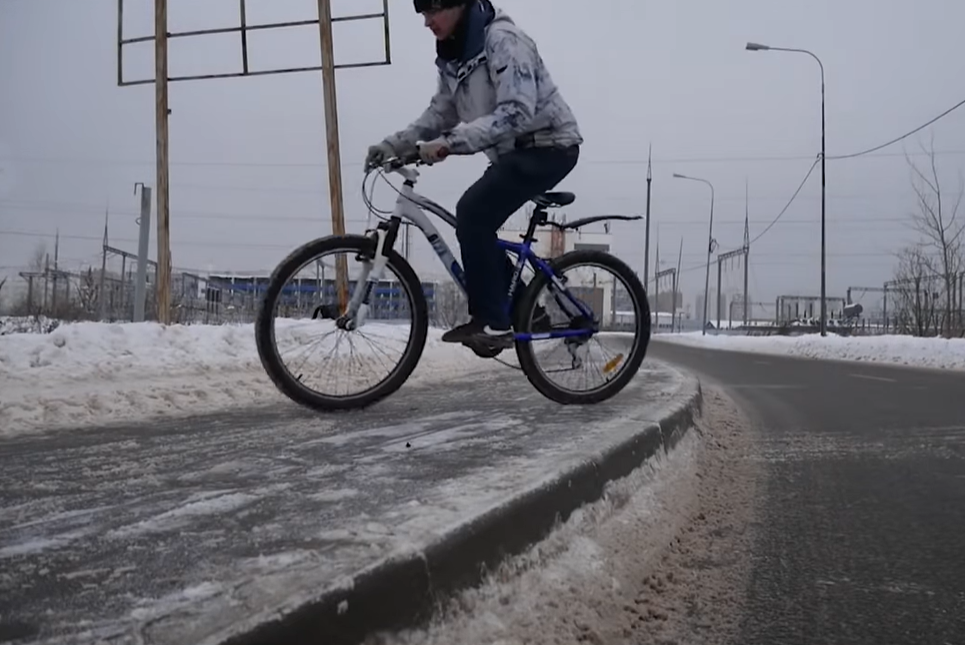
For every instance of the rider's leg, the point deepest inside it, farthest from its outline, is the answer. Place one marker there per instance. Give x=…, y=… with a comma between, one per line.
x=507, y=185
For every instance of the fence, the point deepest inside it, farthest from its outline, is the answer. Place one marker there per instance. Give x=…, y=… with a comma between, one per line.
x=107, y=293
x=109, y=296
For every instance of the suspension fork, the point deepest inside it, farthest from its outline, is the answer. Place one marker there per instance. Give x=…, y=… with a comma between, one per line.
x=385, y=236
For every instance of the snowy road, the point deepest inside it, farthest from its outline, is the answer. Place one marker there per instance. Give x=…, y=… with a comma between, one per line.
x=177, y=530
x=862, y=511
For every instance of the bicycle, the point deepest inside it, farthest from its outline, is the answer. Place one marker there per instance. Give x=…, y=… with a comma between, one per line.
x=375, y=249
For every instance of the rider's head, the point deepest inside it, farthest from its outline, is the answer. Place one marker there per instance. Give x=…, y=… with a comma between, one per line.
x=441, y=16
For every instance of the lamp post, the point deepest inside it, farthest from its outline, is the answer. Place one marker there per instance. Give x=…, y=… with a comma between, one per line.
x=756, y=47
x=711, y=243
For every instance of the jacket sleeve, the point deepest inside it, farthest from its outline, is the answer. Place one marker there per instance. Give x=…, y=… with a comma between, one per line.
x=513, y=65
x=439, y=117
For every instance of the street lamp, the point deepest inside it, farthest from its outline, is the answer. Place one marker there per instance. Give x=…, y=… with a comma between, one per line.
x=711, y=243
x=755, y=47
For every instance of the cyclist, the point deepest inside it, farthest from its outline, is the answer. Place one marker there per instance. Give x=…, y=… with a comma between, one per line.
x=494, y=94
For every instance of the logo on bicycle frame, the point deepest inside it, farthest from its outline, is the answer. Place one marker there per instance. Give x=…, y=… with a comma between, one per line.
x=439, y=246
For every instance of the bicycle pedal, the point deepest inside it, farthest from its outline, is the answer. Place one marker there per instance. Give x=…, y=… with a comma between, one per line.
x=484, y=350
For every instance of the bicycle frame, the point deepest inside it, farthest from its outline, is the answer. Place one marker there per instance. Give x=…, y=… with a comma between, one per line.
x=411, y=206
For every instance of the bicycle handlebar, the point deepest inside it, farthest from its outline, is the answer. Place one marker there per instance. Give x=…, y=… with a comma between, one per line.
x=406, y=160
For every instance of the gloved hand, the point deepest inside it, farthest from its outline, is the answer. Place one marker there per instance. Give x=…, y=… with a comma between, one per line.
x=377, y=154
x=434, y=151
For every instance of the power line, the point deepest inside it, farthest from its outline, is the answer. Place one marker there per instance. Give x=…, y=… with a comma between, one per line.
x=266, y=245
x=791, y=201
x=80, y=161
x=904, y=136
x=62, y=207
x=857, y=154
x=317, y=192
x=100, y=238
x=90, y=209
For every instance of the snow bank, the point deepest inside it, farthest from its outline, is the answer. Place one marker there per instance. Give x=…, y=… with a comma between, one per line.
x=92, y=373
x=900, y=350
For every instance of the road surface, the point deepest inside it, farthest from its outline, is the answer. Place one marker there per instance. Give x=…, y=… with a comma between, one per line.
x=860, y=531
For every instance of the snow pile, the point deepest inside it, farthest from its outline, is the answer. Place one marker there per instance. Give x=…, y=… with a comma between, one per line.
x=900, y=350
x=91, y=373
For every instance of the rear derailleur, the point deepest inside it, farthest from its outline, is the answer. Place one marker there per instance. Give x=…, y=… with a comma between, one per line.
x=573, y=343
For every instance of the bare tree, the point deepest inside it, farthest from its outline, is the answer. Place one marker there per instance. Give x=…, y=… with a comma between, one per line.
x=937, y=221
x=917, y=309
x=88, y=292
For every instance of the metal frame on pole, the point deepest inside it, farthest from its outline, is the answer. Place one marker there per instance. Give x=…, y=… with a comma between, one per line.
x=724, y=257
x=824, y=290
x=162, y=78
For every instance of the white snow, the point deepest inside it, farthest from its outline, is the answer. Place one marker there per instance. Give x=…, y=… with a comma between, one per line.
x=91, y=373
x=900, y=350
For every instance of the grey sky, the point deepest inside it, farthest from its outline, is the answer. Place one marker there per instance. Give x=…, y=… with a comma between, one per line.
x=248, y=180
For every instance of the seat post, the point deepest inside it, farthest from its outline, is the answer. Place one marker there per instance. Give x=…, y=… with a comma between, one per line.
x=538, y=219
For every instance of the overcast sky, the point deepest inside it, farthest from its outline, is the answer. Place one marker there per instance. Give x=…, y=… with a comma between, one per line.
x=248, y=175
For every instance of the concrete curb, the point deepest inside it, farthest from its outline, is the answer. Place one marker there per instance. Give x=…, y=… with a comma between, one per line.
x=405, y=592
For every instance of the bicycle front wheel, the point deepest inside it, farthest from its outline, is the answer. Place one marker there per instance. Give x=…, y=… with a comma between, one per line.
x=596, y=366
x=303, y=348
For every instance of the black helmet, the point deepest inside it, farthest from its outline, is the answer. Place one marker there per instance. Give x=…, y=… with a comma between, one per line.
x=435, y=5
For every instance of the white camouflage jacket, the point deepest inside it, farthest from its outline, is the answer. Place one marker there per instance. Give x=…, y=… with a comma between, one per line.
x=495, y=97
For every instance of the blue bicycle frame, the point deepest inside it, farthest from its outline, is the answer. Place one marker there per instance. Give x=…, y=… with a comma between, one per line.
x=526, y=254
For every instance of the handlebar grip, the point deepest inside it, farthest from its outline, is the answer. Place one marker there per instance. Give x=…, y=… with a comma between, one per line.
x=410, y=158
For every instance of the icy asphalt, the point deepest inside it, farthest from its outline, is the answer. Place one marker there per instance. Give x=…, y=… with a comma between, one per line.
x=860, y=535
x=196, y=530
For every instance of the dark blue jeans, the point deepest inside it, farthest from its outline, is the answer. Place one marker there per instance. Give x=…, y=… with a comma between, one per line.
x=515, y=178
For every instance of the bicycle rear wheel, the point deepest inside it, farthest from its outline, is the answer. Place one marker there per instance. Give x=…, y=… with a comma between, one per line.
x=621, y=317
x=299, y=322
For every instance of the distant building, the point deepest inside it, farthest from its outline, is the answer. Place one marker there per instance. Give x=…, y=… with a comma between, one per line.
x=234, y=290
x=664, y=301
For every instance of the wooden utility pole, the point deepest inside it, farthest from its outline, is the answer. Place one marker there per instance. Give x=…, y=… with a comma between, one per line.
x=163, y=196
x=331, y=136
